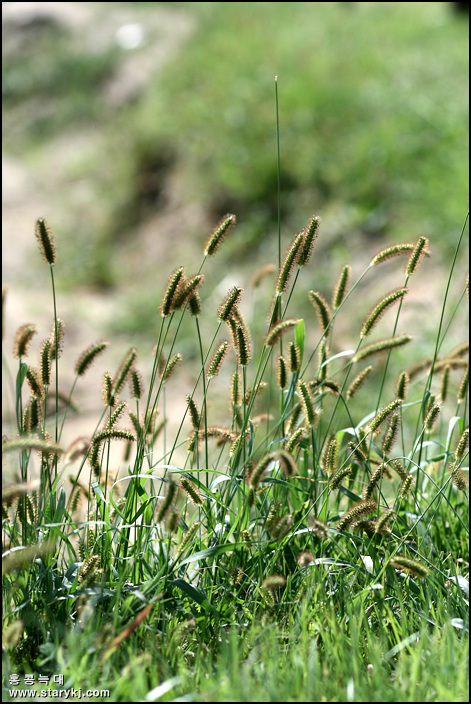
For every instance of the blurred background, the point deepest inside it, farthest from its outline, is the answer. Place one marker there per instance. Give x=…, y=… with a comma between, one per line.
x=132, y=127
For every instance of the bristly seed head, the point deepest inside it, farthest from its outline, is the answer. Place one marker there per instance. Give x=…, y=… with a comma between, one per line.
x=235, y=389
x=402, y=385
x=393, y=251
x=431, y=417
x=306, y=402
x=382, y=346
x=358, y=381
x=281, y=373
x=169, y=295
x=123, y=373
x=457, y=476
x=112, y=434
x=243, y=346
x=383, y=414
x=86, y=358
x=46, y=242
x=416, y=255
x=218, y=358
x=274, y=581
x=287, y=462
x=311, y=232
x=322, y=309
x=195, y=415
x=33, y=378
x=294, y=357
x=260, y=274
x=45, y=362
x=116, y=415
x=194, y=305
x=341, y=286
x=338, y=476
x=168, y=500
x=257, y=473
x=462, y=445
x=171, y=366
x=288, y=264
x=227, y=307
x=186, y=291
x=406, y=485
x=191, y=491
x=136, y=384
x=219, y=233
x=381, y=525
x=463, y=387
x=57, y=338
x=23, y=339
x=444, y=383
x=381, y=308
x=331, y=456
x=373, y=482
x=403, y=562
x=359, y=510
x=275, y=333
x=107, y=387
x=294, y=439
x=390, y=435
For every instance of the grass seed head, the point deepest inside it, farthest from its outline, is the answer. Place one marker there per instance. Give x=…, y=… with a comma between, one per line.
x=381, y=525
x=194, y=305
x=87, y=358
x=227, y=307
x=379, y=310
x=403, y=562
x=57, y=338
x=306, y=402
x=218, y=358
x=171, y=365
x=191, y=491
x=382, y=346
x=402, y=385
x=416, y=256
x=406, y=486
x=45, y=362
x=373, y=482
x=123, y=373
x=243, y=345
x=195, y=415
x=431, y=417
x=275, y=332
x=281, y=373
x=338, y=476
x=322, y=309
x=383, y=414
x=357, y=512
x=462, y=445
x=23, y=338
x=463, y=387
x=167, y=502
x=393, y=250
x=358, y=381
x=218, y=235
x=341, y=286
x=47, y=245
x=311, y=232
x=289, y=262
x=170, y=292
x=186, y=290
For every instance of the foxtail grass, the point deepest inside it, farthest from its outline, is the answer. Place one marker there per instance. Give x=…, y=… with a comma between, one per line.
x=285, y=472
